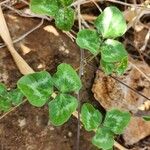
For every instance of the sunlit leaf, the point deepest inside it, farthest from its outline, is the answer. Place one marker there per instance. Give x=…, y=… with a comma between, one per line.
x=103, y=138
x=64, y=18
x=117, y=120
x=37, y=87
x=113, y=51
x=44, y=7
x=61, y=108
x=111, y=23
x=146, y=118
x=91, y=117
x=89, y=39
x=66, y=79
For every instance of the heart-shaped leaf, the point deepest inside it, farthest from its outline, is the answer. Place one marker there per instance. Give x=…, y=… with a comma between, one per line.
x=89, y=39
x=113, y=51
x=66, y=79
x=111, y=23
x=61, y=108
x=103, y=138
x=64, y=19
x=117, y=120
x=44, y=7
x=91, y=117
x=37, y=87
x=7, y=99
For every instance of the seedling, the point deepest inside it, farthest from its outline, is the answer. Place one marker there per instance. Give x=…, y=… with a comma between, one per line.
x=110, y=24
x=39, y=89
x=59, y=9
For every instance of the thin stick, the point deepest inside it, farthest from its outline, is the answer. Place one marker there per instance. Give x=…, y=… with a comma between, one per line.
x=140, y=71
x=4, y=32
x=25, y=34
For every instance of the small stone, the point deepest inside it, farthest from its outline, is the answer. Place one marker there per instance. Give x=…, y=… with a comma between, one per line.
x=69, y=134
x=22, y=122
x=52, y=128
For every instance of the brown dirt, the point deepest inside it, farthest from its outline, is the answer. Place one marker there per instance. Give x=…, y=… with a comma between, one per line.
x=28, y=128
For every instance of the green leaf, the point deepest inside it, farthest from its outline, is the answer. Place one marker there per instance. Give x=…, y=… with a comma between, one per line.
x=91, y=117
x=122, y=66
x=118, y=68
x=4, y=102
x=15, y=96
x=111, y=23
x=108, y=68
x=117, y=120
x=3, y=89
x=64, y=19
x=66, y=79
x=146, y=118
x=61, y=108
x=44, y=7
x=5, y=105
x=37, y=87
x=113, y=51
x=103, y=138
x=89, y=39
x=66, y=2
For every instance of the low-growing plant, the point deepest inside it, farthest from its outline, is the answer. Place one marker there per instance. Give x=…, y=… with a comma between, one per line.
x=57, y=91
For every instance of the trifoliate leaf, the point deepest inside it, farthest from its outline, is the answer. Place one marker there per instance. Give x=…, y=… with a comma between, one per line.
x=64, y=19
x=103, y=138
x=116, y=120
x=61, y=108
x=91, y=117
x=111, y=23
x=66, y=79
x=37, y=87
x=113, y=51
x=44, y=7
x=89, y=39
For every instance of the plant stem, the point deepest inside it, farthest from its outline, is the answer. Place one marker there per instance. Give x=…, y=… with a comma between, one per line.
x=23, y=66
x=4, y=32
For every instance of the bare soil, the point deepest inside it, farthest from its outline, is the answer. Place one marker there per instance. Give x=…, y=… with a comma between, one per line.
x=28, y=127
